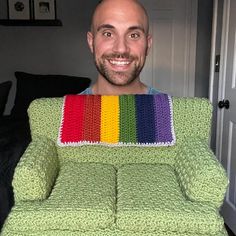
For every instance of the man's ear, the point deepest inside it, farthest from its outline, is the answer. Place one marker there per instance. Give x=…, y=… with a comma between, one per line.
x=149, y=43
x=90, y=40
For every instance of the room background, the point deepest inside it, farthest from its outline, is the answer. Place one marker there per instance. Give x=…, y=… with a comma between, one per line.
x=64, y=50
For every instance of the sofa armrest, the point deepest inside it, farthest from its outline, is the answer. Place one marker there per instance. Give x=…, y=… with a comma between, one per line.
x=201, y=175
x=36, y=171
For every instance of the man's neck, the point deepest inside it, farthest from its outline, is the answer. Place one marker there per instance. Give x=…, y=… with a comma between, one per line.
x=105, y=88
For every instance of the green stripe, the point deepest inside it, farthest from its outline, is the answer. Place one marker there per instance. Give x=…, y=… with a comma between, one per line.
x=127, y=119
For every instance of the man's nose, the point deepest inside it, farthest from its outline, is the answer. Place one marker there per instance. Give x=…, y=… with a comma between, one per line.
x=121, y=45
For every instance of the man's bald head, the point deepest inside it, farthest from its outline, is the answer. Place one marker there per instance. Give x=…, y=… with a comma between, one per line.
x=127, y=7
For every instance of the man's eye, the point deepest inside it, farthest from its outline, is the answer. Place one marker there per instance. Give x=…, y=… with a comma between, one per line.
x=107, y=34
x=134, y=35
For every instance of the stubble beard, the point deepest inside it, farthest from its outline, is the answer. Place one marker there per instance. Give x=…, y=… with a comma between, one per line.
x=118, y=78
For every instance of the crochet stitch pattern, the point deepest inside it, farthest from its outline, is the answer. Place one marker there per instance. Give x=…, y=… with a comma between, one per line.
x=100, y=190
x=129, y=120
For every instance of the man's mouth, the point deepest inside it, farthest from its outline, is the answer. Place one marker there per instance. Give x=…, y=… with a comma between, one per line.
x=119, y=62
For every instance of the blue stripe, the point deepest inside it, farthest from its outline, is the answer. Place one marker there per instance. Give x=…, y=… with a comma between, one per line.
x=145, y=118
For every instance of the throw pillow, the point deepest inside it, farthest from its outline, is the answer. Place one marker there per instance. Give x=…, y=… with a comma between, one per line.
x=4, y=91
x=32, y=86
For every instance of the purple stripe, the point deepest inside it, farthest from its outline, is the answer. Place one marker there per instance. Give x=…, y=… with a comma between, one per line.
x=163, y=131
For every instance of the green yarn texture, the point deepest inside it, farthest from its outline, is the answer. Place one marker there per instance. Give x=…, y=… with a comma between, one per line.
x=37, y=171
x=122, y=191
x=127, y=116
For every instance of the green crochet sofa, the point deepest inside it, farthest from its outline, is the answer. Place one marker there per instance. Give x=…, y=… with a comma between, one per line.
x=123, y=191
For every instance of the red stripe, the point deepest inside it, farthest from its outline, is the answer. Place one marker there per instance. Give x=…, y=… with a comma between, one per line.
x=72, y=126
x=93, y=118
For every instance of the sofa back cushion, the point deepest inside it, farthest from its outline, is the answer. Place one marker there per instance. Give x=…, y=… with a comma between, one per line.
x=192, y=118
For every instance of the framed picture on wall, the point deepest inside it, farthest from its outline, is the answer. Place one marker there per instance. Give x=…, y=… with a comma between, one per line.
x=19, y=9
x=44, y=9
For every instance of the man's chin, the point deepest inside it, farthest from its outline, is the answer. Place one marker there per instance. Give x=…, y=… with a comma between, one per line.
x=120, y=80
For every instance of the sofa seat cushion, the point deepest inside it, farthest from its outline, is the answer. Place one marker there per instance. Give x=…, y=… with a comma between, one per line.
x=83, y=198
x=150, y=200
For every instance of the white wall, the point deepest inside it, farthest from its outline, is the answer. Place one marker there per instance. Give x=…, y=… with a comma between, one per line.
x=52, y=50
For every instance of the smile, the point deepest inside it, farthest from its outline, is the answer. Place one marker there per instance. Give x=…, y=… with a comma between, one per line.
x=119, y=63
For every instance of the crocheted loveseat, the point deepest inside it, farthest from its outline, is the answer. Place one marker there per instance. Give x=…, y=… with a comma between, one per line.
x=93, y=190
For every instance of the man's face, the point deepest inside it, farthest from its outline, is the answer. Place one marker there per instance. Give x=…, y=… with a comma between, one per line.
x=119, y=42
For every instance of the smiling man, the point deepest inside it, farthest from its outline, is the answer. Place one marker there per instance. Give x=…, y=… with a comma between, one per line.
x=120, y=41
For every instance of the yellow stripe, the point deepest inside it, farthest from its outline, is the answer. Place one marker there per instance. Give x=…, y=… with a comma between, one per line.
x=110, y=119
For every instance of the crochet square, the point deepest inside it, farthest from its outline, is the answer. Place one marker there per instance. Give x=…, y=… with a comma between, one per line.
x=125, y=120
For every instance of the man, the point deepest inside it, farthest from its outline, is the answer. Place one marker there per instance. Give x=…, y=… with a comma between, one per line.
x=120, y=41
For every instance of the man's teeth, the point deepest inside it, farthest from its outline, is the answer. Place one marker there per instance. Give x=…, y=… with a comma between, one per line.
x=119, y=63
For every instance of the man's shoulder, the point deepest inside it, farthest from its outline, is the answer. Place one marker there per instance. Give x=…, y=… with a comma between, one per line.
x=152, y=90
x=87, y=91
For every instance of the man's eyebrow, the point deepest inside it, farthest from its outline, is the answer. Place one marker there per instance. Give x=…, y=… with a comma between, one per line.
x=137, y=28
x=105, y=26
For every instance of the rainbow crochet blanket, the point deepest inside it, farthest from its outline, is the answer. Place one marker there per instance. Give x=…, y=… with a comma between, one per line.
x=126, y=120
